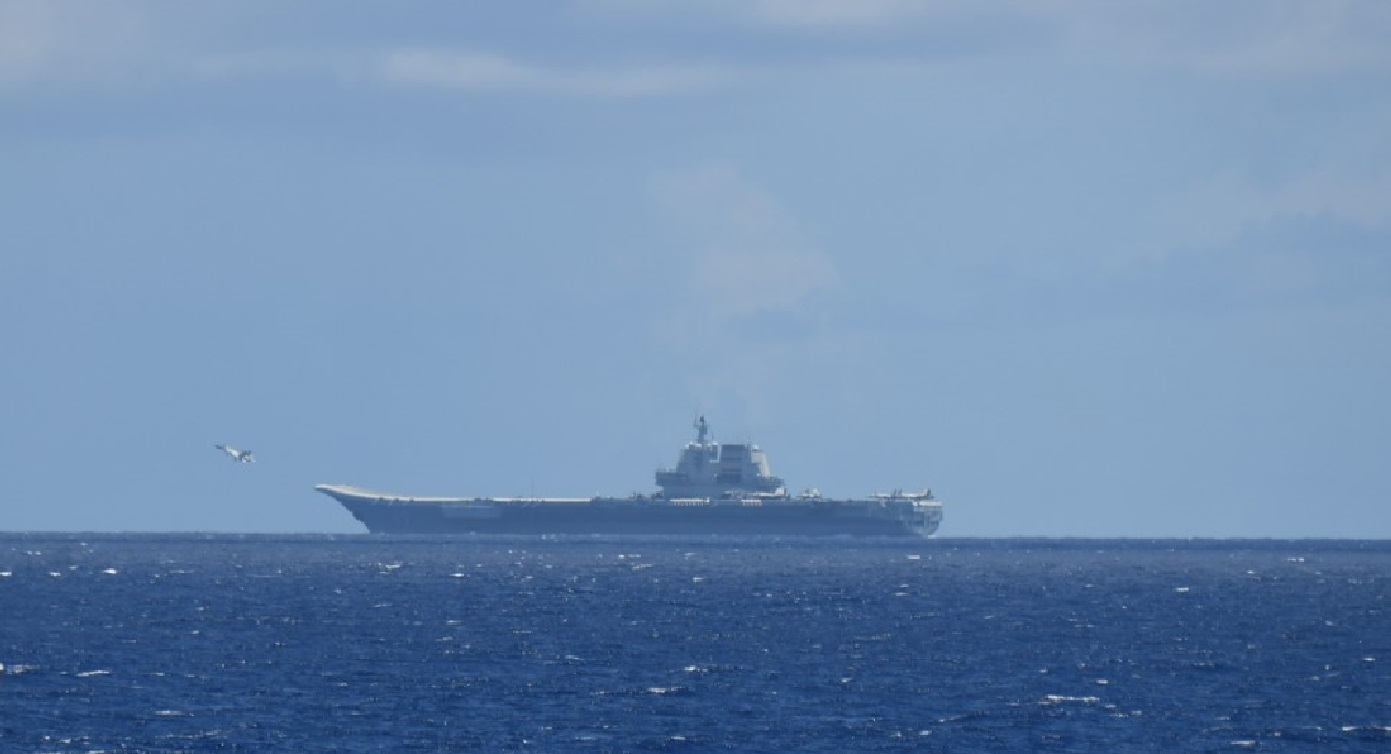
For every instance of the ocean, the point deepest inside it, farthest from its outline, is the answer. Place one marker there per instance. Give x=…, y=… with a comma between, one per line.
x=203, y=643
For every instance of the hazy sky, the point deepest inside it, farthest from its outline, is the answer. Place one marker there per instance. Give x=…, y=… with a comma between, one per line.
x=1084, y=268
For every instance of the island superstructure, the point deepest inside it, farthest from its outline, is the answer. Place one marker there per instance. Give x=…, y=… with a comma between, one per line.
x=713, y=489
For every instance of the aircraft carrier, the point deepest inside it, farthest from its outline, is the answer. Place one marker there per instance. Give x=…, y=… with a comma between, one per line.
x=721, y=489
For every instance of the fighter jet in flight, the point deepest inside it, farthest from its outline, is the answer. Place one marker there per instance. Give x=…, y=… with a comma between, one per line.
x=244, y=456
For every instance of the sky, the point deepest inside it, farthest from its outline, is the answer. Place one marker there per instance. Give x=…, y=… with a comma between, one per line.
x=1085, y=269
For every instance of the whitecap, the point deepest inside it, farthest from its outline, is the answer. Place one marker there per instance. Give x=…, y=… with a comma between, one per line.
x=1369, y=728
x=6, y=574
x=93, y=673
x=111, y=571
x=1181, y=589
x=1062, y=699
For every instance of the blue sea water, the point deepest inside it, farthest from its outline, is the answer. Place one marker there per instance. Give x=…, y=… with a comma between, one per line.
x=167, y=643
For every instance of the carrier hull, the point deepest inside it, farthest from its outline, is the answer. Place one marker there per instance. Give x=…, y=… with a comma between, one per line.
x=714, y=488
x=393, y=514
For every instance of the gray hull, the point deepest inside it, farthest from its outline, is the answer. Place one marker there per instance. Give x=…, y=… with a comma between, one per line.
x=713, y=489
x=386, y=514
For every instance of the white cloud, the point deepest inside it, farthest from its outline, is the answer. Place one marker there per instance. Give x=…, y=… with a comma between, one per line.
x=803, y=14
x=820, y=13
x=1239, y=37
x=53, y=41
x=1220, y=207
x=50, y=42
x=750, y=253
x=1277, y=37
x=484, y=71
x=273, y=64
x=749, y=293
